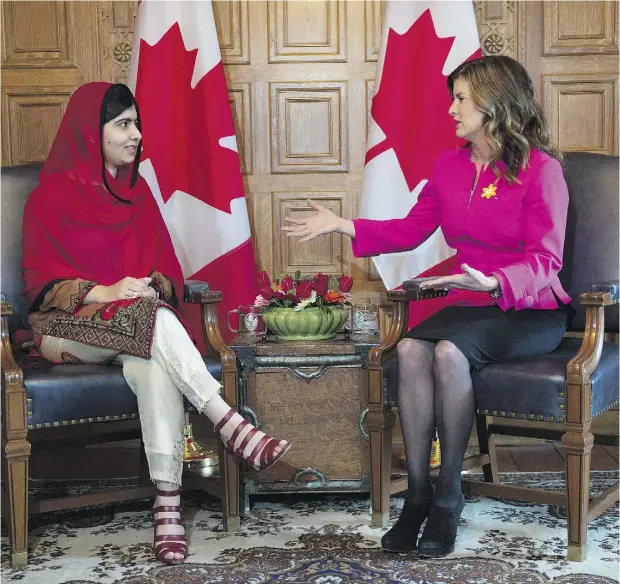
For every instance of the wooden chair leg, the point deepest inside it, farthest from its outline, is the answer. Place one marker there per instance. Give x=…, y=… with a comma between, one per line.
x=16, y=456
x=229, y=463
x=489, y=470
x=229, y=477
x=578, y=447
x=493, y=467
x=380, y=421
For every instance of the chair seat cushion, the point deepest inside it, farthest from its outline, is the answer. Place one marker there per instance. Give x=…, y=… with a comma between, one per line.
x=61, y=395
x=531, y=388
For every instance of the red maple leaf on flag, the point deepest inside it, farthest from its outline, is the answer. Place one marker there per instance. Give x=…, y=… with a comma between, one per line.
x=411, y=106
x=182, y=126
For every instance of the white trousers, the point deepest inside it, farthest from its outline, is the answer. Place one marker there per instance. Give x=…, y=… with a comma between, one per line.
x=175, y=369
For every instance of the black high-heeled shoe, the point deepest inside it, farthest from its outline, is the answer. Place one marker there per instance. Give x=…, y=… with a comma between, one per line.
x=439, y=533
x=403, y=535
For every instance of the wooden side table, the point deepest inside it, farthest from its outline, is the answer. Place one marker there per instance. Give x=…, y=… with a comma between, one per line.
x=315, y=395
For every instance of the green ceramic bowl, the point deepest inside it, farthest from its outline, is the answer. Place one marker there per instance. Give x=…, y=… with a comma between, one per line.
x=308, y=324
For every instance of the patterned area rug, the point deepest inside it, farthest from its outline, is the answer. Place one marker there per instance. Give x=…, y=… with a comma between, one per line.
x=318, y=540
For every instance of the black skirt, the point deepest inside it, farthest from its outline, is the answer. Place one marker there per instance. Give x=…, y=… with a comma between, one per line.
x=487, y=334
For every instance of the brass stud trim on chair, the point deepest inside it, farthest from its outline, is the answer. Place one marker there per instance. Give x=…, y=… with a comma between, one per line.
x=80, y=421
x=533, y=417
x=523, y=416
x=607, y=408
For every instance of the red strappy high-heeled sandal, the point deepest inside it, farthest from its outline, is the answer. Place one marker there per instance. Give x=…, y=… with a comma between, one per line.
x=266, y=445
x=167, y=544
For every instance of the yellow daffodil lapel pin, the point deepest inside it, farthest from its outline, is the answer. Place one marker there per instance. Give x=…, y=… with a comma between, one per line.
x=490, y=191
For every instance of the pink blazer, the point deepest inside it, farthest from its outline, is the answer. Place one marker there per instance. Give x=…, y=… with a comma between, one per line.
x=516, y=234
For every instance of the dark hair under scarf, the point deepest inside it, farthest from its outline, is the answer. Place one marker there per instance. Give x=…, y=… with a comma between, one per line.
x=116, y=100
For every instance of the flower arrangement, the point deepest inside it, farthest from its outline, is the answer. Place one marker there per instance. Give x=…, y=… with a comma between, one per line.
x=299, y=292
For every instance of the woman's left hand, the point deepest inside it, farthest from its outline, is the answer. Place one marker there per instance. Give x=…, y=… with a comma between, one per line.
x=470, y=279
x=150, y=292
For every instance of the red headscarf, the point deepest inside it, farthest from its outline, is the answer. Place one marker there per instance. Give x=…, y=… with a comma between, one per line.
x=75, y=228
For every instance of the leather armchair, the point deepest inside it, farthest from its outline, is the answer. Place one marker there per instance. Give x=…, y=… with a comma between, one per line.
x=80, y=403
x=553, y=396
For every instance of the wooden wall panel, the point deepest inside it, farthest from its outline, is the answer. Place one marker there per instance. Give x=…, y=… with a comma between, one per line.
x=374, y=10
x=579, y=108
x=325, y=253
x=33, y=122
x=48, y=49
x=38, y=38
x=370, y=271
x=497, y=22
x=240, y=99
x=116, y=26
x=260, y=211
x=571, y=51
x=231, y=20
x=309, y=127
x=577, y=28
x=307, y=31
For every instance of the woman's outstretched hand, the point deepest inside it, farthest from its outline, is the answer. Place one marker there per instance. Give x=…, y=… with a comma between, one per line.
x=126, y=288
x=470, y=279
x=325, y=221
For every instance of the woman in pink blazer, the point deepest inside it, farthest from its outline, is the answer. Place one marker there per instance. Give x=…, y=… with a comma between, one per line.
x=501, y=202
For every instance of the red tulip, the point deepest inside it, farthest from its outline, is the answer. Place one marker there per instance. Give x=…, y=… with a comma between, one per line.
x=263, y=280
x=266, y=292
x=320, y=284
x=304, y=289
x=345, y=283
x=286, y=284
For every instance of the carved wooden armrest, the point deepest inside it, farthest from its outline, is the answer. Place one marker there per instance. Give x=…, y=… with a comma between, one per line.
x=400, y=318
x=583, y=364
x=197, y=292
x=13, y=391
x=8, y=361
x=601, y=294
x=9, y=366
x=581, y=367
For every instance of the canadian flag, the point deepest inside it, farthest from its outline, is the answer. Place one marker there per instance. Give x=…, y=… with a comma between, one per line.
x=422, y=43
x=190, y=158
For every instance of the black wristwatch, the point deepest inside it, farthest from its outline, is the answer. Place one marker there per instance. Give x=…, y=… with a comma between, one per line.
x=496, y=293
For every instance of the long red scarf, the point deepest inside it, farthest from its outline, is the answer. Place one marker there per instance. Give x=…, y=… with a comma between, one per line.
x=75, y=228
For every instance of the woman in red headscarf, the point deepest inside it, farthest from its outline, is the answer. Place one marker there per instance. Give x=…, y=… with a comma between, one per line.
x=102, y=283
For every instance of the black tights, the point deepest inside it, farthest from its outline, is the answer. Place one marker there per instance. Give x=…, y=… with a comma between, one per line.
x=434, y=390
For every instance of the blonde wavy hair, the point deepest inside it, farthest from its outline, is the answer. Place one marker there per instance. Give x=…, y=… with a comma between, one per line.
x=513, y=121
